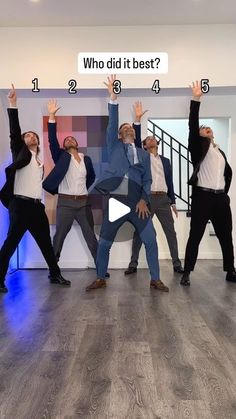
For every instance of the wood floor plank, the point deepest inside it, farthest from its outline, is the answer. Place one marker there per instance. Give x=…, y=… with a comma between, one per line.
x=122, y=352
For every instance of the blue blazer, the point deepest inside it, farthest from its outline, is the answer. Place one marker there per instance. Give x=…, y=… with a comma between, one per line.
x=62, y=159
x=119, y=165
x=165, y=162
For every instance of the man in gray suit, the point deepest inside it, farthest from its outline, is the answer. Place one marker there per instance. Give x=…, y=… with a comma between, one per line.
x=162, y=202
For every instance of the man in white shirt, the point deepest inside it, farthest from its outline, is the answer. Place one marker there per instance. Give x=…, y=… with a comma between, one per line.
x=22, y=194
x=211, y=180
x=162, y=201
x=127, y=179
x=71, y=178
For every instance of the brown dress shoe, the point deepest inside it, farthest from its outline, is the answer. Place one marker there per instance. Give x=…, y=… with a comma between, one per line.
x=99, y=283
x=158, y=285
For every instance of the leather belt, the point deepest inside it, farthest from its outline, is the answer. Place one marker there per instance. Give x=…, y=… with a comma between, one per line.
x=216, y=191
x=27, y=198
x=74, y=197
x=158, y=193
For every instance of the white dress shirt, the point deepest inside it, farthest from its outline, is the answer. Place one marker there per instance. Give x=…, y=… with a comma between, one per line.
x=74, y=182
x=158, y=175
x=211, y=173
x=28, y=180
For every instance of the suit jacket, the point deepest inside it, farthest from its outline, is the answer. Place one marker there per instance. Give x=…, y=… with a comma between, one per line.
x=165, y=162
x=21, y=157
x=139, y=174
x=199, y=146
x=62, y=159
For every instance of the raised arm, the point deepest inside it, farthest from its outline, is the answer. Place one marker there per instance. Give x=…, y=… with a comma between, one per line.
x=52, y=130
x=112, y=127
x=16, y=142
x=194, y=114
x=138, y=114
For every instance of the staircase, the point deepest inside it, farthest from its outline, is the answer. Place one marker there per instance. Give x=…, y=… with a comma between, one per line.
x=179, y=157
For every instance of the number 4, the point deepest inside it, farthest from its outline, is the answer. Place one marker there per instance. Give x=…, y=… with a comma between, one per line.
x=156, y=87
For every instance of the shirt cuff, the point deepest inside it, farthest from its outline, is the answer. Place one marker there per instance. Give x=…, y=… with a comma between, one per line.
x=137, y=123
x=51, y=121
x=113, y=102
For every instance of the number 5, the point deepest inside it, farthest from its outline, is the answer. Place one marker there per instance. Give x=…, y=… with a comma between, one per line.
x=205, y=85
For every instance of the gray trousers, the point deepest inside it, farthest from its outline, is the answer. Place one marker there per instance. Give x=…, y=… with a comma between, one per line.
x=160, y=205
x=69, y=210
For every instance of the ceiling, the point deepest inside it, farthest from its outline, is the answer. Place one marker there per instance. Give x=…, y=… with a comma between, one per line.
x=32, y=13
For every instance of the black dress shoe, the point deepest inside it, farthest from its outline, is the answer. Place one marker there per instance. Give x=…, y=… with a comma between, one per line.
x=130, y=271
x=107, y=275
x=3, y=288
x=231, y=276
x=178, y=269
x=58, y=279
x=185, y=280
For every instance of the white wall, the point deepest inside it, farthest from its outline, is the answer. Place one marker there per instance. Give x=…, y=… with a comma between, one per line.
x=195, y=51
x=74, y=253
x=179, y=129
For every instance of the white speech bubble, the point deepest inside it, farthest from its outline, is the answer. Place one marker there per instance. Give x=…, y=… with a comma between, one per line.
x=123, y=62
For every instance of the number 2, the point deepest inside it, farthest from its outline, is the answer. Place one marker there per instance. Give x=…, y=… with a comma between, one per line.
x=72, y=85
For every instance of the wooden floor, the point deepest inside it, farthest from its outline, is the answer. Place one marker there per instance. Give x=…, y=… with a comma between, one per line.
x=121, y=352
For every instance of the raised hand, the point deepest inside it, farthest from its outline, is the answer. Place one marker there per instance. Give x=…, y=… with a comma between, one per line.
x=196, y=89
x=12, y=98
x=109, y=85
x=53, y=107
x=138, y=111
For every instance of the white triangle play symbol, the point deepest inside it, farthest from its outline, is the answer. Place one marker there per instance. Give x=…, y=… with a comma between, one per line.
x=116, y=210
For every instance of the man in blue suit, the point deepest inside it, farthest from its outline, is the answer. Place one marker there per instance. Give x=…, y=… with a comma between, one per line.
x=162, y=201
x=128, y=179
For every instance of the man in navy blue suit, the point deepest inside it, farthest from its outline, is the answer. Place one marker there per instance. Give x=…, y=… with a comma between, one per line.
x=162, y=201
x=128, y=179
x=70, y=178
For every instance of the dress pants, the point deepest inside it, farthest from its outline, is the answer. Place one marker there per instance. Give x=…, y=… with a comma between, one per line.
x=26, y=215
x=147, y=235
x=69, y=210
x=160, y=205
x=216, y=208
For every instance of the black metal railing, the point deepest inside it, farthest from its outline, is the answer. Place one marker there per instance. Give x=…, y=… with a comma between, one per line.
x=179, y=157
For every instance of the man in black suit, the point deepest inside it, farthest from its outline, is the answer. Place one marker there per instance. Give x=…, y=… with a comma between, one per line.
x=210, y=180
x=21, y=194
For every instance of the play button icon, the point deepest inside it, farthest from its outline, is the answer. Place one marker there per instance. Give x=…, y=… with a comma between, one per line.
x=116, y=209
